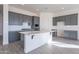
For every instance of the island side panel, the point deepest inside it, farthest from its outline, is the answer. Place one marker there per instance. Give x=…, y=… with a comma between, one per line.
x=35, y=42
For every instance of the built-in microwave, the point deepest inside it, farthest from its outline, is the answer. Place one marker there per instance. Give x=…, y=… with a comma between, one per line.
x=36, y=25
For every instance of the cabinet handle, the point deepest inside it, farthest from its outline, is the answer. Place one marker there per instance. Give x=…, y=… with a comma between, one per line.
x=50, y=33
x=32, y=37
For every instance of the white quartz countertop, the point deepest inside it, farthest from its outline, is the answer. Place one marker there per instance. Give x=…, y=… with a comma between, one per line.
x=34, y=32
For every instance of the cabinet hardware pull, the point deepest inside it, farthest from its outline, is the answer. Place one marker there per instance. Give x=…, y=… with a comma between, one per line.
x=32, y=37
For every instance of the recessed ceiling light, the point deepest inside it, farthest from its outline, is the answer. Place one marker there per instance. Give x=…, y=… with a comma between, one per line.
x=37, y=9
x=62, y=8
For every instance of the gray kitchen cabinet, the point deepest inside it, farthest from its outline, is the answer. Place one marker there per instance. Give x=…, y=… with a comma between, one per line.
x=73, y=35
x=55, y=21
x=20, y=20
x=70, y=34
x=59, y=19
x=71, y=19
x=74, y=19
x=36, y=20
x=67, y=20
x=67, y=34
x=35, y=23
x=27, y=19
x=11, y=18
x=62, y=18
x=15, y=19
x=14, y=36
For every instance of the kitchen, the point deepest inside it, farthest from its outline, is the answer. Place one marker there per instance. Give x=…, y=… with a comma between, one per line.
x=24, y=28
x=34, y=29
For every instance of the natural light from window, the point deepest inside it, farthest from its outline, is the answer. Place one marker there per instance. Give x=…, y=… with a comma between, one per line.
x=63, y=45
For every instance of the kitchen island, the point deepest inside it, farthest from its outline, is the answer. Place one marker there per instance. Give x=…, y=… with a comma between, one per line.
x=35, y=39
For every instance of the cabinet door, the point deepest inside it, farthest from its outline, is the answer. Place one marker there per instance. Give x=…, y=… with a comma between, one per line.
x=11, y=18
x=73, y=34
x=35, y=23
x=74, y=19
x=14, y=36
x=59, y=19
x=14, y=19
x=70, y=34
x=37, y=39
x=66, y=34
x=36, y=20
x=20, y=20
x=27, y=19
x=67, y=20
x=62, y=18
x=55, y=21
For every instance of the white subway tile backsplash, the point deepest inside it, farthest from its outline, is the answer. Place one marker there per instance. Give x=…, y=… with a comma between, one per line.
x=17, y=27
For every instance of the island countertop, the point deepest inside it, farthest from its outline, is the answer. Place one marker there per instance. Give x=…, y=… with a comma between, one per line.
x=34, y=32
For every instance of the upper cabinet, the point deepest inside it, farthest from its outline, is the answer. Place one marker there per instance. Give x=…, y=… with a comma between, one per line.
x=15, y=19
x=74, y=19
x=67, y=19
x=55, y=21
x=18, y=19
x=27, y=19
x=71, y=19
x=35, y=22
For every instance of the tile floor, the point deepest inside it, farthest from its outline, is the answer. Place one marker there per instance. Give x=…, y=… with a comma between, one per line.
x=52, y=48
x=13, y=48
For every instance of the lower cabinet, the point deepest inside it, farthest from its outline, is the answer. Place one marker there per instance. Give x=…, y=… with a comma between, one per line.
x=70, y=34
x=13, y=36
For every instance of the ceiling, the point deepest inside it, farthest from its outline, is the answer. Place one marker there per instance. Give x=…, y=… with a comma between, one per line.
x=54, y=8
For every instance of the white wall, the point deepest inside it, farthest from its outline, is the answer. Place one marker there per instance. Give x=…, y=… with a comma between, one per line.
x=5, y=24
x=45, y=21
